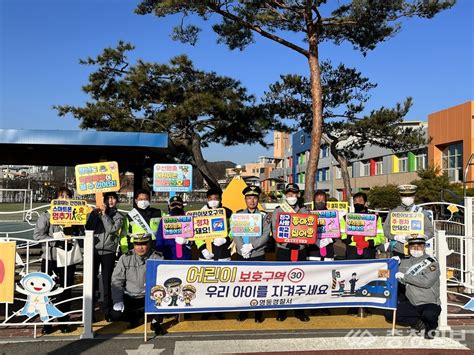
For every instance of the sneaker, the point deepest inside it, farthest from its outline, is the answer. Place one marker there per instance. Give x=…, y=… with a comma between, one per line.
x=47, y=329
x=158, y=329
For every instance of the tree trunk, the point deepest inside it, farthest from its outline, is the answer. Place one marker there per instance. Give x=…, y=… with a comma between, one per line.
x=317, y=111
x=201, y=163
x=344, y=168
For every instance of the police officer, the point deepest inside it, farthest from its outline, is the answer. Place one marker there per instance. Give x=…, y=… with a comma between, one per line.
x=168, y=246
x=283, y=253
x=140, y=220
x=106, y=222
x=220, y=246
x=397, y=242
x=255, y=249
x=420, y=274
x=128, y=283
x=363, y=247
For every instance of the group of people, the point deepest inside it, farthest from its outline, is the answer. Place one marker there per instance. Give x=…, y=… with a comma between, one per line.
x=138, y=236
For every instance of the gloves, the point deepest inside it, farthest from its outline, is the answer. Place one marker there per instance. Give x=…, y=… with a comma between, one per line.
x=399, y=276
x=246, y=249
x=181, y=240
x=207, y=254
x=401, y=238
x=119, y=307
x=219, y=241
x=396, y=258
x=246, y=256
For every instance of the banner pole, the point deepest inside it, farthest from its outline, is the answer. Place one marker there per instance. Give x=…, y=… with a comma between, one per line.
x=145, y=323
x=394, y=321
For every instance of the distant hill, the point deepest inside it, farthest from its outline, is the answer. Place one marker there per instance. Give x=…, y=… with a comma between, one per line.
x=218, y=169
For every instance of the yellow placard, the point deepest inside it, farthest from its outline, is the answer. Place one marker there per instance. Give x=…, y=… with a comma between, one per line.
x=209, y=224
x=336, y=205
x=97, y=177
x=7, y=271
x=407, y=223
x=68, y=212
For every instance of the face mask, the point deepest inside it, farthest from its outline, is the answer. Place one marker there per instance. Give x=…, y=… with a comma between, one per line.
x=359, y=207
x=213, y=203
x=416, y=253
x=291, y=200
x=407, y=201
x=320, y=206
x=177, y=211
x=144, y=204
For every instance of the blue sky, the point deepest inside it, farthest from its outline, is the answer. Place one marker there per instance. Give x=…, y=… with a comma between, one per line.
x=41, y=43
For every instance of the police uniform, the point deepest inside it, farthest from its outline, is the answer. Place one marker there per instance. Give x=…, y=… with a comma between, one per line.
x=397, y=247
x=422, y=305
x=151, y=216
x=283, y=250
x=258, y=244
x=128, y=283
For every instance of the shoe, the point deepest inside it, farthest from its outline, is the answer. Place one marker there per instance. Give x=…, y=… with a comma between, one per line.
x=65, y=328
x=259, y=319
x=281, y=317
x=430, y=334
x=47, y=329
x=303, y=317
x=418, y=326
x=241, y=317
x=158, y=329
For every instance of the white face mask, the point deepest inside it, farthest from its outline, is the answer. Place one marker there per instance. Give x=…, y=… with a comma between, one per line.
x=408, y=201
x=416, y=253
x=143, y=204
x=291, y=200
x=213, y=203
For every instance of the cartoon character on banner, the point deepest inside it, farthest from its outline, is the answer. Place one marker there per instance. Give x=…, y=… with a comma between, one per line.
x=173, y=288
x=342, y=284
x=353, y=282
x=158, y=292
x=37, y=287
x=189, y=293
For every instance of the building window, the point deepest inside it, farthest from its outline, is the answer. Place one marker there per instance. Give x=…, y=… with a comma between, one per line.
x=302, y=139
x=323, y=174
x=338, y=172
x=365, y=168
x=452, y=161
x=403, y=164
x=379, y=167
x=324, y=151
x=421, y=161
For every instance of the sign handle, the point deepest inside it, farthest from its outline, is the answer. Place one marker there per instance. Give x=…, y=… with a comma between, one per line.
x=394, y=321
x=209, y=245
x=294, y=255
x=360, y=251
x=99, y=199
x=246, y=240
x=323, y=252
x=179, y=251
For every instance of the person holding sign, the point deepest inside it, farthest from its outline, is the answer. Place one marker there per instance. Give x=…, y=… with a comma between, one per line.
x=253, y=248
x=141, y=219
x=169, y=247
x=128, y=283
x=284, y=250
x=363, y=246
x=420, y=274
x=397, y=240
x=220, y=246
x=45, y=230
x=105, y=221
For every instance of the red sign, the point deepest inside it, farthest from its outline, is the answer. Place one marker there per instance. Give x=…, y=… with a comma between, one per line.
x=297, y=228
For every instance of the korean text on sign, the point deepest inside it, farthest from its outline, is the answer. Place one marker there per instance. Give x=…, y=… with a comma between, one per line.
x=97, y=178
x=361, y=224
x=209, y=224
x=172, y=177
x=177, y=226
x=297, y=228
x=407, y=222
x=246, y=224
x=69, y=212
x=328, y=224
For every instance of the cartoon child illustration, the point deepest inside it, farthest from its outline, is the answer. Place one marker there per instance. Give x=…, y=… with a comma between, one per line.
x=353, y=282
x=37, y=287
x=341, y=287
x=158, y=292
x=189, y=293
x=173, y=288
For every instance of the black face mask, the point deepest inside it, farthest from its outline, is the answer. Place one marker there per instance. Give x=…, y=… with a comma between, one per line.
x=177, y=211
x=359, y=208
x=318, y=206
